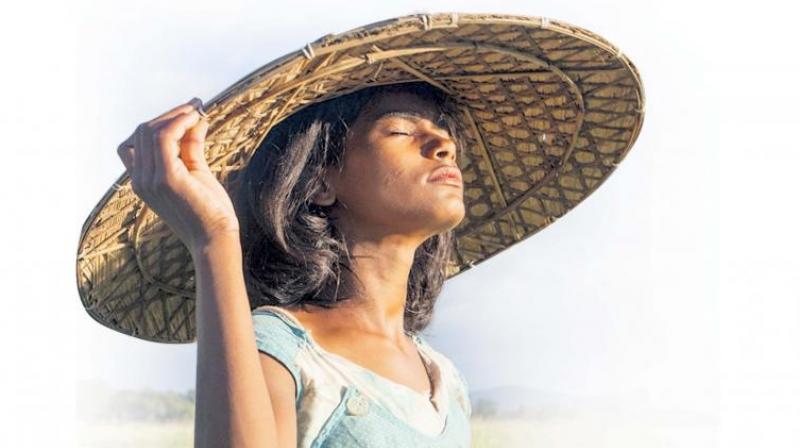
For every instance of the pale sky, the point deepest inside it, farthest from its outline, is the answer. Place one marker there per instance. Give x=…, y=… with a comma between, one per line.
x=671, y=287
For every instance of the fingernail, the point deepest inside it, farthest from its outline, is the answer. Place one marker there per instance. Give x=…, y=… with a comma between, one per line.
x=198, y=105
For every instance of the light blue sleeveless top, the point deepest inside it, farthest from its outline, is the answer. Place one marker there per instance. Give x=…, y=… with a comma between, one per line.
x=342, y=404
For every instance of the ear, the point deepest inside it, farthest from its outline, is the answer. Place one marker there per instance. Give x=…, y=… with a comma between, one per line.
x=326, y=195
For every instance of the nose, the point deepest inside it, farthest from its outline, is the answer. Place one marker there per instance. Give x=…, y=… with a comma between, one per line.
x=441, y=146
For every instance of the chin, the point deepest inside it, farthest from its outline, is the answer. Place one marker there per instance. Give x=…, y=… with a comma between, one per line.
x=452, y=220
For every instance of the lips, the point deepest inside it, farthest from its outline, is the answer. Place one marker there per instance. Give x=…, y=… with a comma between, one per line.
x=446, y=174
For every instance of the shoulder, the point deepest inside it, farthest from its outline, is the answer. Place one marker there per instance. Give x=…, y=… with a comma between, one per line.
x=274, y=329
x=279, y=337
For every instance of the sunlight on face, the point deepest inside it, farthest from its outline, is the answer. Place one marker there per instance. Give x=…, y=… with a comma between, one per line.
x=393, y=147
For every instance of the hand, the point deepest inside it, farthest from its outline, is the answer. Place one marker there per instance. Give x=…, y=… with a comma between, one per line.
x=165, y=161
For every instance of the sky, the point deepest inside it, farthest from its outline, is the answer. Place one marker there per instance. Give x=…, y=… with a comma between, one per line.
x=672, y=286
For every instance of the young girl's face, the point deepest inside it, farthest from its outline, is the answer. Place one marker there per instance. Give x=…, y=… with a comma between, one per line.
x=386, y=184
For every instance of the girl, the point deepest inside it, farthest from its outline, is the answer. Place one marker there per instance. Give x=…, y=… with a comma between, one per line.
x=309, y=286
x=340, y=241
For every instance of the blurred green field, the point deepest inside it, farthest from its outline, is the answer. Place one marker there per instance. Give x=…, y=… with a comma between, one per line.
x=125, y=435
x=486, y=432
x=595, y=431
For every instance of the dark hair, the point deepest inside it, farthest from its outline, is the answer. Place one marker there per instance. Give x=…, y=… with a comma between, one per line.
x=293, y=252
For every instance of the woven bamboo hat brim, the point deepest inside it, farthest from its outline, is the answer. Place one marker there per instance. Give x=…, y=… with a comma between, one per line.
x=550, y=110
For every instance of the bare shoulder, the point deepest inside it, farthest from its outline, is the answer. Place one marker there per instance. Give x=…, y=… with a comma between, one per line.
x=281, y=387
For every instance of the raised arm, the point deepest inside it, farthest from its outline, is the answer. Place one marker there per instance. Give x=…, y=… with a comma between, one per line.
x=233, y=407
x=164, y=158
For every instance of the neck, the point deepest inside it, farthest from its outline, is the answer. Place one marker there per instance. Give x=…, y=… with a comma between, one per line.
x=376, y=295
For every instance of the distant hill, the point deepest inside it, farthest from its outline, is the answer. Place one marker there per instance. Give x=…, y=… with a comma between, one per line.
x=99, y=403
x=523, y=402
x=517, y=401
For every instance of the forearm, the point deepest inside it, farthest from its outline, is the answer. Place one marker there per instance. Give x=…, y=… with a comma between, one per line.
x=233, y=407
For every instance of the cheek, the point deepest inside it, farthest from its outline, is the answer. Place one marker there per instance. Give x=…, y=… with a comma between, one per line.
x=394, y=177
x=371, y=181
x=390, y=189
x=389, y=179
x=389, y=173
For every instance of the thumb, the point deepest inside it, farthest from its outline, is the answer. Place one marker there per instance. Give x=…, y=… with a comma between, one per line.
x=192, y=147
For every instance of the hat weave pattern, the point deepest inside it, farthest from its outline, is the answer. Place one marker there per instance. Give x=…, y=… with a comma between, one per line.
x=550, y=110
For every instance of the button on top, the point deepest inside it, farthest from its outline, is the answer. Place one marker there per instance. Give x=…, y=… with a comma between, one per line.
x=357, y=404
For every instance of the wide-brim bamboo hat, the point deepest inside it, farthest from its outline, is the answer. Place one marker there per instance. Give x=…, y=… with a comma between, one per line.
x=550, y=110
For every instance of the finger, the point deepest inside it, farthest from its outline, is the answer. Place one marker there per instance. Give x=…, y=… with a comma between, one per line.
x=192, y=147
x=128, y=142
x=125, y=153
x=194, y=103
x=125, y=150
x=143, y=156
x=168, y=138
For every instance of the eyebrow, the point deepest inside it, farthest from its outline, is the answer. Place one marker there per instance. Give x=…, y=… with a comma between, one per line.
x=414, y=115
x=402, y=114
